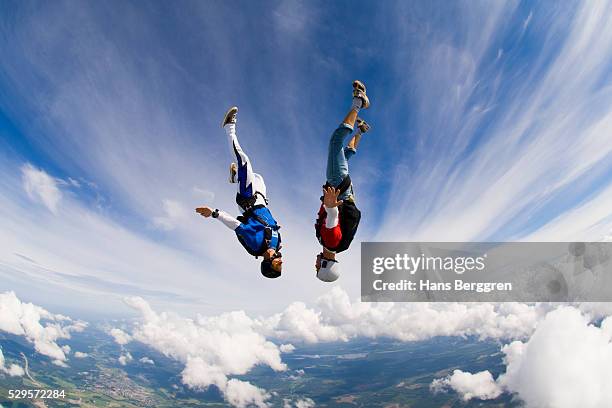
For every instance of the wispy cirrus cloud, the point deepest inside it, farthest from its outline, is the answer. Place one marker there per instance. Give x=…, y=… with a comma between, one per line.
x=40, y=186
x=154, y=152
x=501, y=148
x=475, y=135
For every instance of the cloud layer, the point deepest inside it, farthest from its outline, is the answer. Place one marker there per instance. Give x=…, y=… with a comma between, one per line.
x=38, y=326
x=336, y=318
x=212, y=348
x=564, y=364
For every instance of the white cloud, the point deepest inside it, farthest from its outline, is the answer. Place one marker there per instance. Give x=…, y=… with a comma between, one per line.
x=13, y=370
x=212, y=348
x=59, y=363
x=40, y=186
x=37, y=325
x=300, y=403
x=287, y=348
x=120, y=336
x=336, y=318
x=304, y=403
x=242, y=394
x=125, y=358
x=564, y=364
x=203, y=194
x=480, y=385
x=146, y=360
x=174, y=212
x=80, y=354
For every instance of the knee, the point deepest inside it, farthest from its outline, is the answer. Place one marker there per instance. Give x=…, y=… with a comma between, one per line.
x=341, y=133
x=345, y=127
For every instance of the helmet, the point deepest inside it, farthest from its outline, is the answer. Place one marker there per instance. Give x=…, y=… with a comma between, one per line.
x=267, y=271
x=329, y=271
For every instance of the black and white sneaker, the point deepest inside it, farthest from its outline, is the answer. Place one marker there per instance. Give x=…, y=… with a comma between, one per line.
x=359, y=85
x=230, y=116
x=362, y=125
x=359, y=91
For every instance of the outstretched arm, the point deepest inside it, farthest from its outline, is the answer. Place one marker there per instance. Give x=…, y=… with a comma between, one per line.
x=229, y=221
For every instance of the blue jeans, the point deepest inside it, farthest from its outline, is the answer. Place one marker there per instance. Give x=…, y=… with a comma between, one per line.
x=338, y=157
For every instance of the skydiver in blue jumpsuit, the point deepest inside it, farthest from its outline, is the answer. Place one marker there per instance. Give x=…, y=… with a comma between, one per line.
x=256, y=229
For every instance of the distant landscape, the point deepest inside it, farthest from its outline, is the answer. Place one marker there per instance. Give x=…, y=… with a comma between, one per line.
x=382, y=373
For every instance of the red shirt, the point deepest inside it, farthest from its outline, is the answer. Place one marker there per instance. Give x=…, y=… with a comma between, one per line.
x=330, y=235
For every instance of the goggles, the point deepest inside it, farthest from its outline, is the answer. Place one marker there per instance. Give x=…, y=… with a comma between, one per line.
x=324, y=260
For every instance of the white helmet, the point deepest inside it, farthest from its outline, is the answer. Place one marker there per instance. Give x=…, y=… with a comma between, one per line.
x=329, y=271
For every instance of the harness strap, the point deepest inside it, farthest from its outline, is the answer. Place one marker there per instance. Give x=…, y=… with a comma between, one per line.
x=249, y=202
x=271, y=235
x=272, y=238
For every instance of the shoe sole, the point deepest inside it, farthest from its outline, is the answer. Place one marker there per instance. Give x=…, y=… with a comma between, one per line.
x=230, y=111
x=359, y=85
x=361, y=122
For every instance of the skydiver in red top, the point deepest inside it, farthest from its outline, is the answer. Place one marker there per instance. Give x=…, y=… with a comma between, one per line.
x=338, y=216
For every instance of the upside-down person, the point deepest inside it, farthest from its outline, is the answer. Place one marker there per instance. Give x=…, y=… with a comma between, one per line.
x=338, y=216
x=256, y=229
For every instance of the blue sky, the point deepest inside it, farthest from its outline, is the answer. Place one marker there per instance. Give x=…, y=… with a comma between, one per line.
x=490, y=121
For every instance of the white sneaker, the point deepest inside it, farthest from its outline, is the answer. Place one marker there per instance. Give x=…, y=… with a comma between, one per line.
x=230, y=116
x=359, y=91
x=233, y=179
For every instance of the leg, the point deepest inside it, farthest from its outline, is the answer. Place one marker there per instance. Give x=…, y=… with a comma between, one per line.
x=337, y=161
x=351, y=148
x=259, y=186
x=246, y=177
x=350, y=118
x=349, y=152
x=337, y=164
